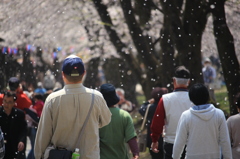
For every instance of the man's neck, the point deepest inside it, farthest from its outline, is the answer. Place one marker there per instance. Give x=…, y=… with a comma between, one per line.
x=8, y=112
x=67, y=82
x=180, y=87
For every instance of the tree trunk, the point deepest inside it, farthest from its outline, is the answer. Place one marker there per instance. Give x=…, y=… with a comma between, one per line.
x=2, y=72
x=9, y=68
x=118, y=73
x=134, y=65
x=57, y=70
x=226, y=50
x=143, y=46
x=194, y=23
x=167, y=55
x=186, y=34
x=27, y=74
x=92, y=80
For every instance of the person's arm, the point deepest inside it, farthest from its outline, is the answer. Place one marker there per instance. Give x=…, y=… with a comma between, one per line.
x=44, y=131
x=25, y=101
x=134, y=147
x=105, y=114
x=130, y=135
x=23, y=124
x=181, y=137
x=230, y=129
x=32, y=114
x=2, y=146
x=157, y=125
x=38, y=107
x=158, y=122
x=224, y=140
x=130, y=106
x=1, y=98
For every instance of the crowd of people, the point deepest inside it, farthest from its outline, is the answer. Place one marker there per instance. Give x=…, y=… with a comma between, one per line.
x=181, y=124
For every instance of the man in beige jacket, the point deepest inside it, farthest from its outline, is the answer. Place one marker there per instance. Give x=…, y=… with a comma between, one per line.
x=65, y=112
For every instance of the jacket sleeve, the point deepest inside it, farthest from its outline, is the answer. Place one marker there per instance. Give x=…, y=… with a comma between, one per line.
x=105, y=114
x=229, y=129
x=25, y=101
x=181, y=137
x=224, y=139
x=23, y=123
x=158, y=122
x=134, y=146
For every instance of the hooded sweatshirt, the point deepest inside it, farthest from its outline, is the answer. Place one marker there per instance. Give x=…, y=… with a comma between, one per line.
x=204, y=130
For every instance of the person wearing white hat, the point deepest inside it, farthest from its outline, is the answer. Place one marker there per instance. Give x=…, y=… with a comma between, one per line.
x=209, y=75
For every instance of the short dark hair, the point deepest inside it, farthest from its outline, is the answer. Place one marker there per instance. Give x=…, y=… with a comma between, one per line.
x=237, y=100
x=198, y=94
x=10, y=94
x=13, y=83
x=38, y=96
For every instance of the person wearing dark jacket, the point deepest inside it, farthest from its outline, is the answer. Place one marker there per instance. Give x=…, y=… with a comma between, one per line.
x=13, y=125
x=156, y=94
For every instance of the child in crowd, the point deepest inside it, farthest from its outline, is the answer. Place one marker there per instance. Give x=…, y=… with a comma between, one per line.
x=33, y=116
x=202, y=128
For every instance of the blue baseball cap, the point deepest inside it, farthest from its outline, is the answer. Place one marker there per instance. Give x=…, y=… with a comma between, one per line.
x=73, y=66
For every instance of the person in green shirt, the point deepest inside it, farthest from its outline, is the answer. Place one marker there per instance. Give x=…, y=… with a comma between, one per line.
x=115, y=135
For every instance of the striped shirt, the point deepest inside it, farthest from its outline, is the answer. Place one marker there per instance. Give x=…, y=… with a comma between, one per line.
x=2, y=146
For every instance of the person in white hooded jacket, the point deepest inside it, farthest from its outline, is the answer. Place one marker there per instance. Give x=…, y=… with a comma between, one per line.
x=202, y=129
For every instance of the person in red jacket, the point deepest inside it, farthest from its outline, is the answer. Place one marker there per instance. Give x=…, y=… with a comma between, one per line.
x=22, y=101
x=35, y=110
x=168, y=112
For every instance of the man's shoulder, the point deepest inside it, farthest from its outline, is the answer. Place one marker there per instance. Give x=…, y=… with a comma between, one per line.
x=167, y=94
x=175, y=93
x=22, y=95
x=56, y=94
x=233, y=118
x=123, y=111
x=219, y=111
x=94, y=91
x=187, y=112
x=18, y=111
x=123, y=114
x=86, y=91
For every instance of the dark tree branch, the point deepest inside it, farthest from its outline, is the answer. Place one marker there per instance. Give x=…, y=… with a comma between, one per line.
x=119, y=45
x=226, y=50
x=141, y=43
x=156, y=7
